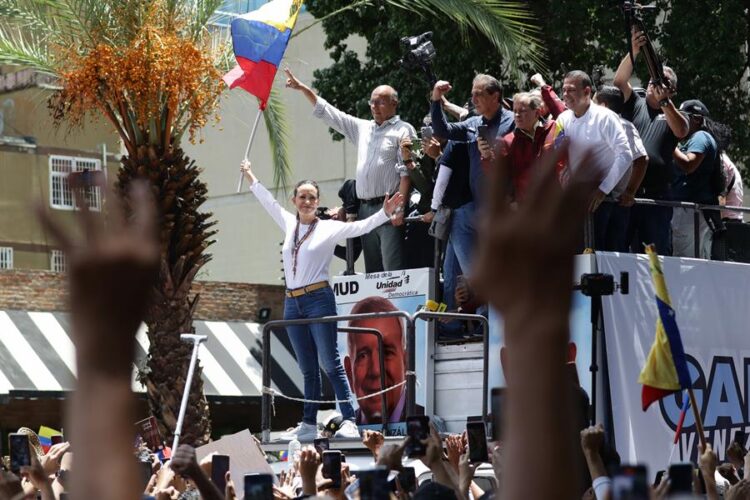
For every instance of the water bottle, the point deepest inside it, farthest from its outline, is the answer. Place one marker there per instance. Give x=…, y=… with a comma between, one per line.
x=293, y=453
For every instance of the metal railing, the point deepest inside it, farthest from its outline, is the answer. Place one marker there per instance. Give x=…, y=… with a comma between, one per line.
x=485, y=341
x=271, y=325
x=697, y=213
x=381, y=364
x=410, y=331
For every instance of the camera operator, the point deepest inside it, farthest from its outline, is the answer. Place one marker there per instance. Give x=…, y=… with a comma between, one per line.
x=380, y=169
x=661, y=127
x=487, y=97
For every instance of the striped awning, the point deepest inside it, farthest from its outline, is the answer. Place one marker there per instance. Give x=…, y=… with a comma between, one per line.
x=37, y=355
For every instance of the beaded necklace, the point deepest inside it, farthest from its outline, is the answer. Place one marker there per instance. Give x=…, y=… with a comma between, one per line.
x=298, y=243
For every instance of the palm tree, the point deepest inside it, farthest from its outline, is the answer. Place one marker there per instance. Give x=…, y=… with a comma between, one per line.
x=150, y=68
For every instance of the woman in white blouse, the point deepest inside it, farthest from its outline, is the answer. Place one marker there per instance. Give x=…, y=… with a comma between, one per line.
x=307, y=252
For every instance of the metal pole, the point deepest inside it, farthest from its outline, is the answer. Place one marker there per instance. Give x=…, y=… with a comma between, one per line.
x=411, y=378
x=265, y=416
x=381, y=362
x=436, y=276
x=486, y=362
x=349, y=257
x=196, y=339
x=696, y=234
x=250, y=143
x=596, y=306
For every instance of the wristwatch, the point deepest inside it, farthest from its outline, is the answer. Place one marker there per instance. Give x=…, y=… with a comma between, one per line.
x=664, y=102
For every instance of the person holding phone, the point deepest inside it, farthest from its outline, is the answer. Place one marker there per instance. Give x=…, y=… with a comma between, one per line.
x=307, y=252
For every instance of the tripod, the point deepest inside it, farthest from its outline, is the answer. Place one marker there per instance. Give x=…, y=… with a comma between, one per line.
x=597, y=285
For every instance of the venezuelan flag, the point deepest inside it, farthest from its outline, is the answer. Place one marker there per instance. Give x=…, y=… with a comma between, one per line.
x=260, y=38
x=45, y=437
x=665, y=371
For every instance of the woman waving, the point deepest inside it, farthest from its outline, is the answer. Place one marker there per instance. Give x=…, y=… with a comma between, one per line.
x=307, y=252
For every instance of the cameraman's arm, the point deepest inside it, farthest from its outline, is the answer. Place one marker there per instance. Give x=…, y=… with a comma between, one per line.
x=625, y=69
x=457, y=112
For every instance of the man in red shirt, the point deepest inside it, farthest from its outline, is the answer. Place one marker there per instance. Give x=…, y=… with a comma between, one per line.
x=526, y=143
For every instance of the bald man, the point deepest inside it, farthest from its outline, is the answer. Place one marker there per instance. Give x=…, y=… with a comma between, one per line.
x=380, y=167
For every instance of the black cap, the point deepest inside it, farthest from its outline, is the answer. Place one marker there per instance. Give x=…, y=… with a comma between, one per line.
x=694, y=107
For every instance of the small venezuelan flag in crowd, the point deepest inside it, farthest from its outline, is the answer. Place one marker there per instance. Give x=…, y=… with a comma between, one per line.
x=45, y=437
x=260, y=38
x=666, y=370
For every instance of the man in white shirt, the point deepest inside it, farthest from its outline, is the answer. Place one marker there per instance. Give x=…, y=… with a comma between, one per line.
x=596, y=134
x=380, y=169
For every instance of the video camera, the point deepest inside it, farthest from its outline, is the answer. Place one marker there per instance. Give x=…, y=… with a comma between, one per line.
x=634, y=18
x=419, y=54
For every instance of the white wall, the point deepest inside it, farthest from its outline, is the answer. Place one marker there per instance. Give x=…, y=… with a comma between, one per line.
x=247, y=245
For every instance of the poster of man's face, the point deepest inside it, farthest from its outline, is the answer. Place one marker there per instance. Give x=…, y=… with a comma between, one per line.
x=362, y=365
x=375, y=293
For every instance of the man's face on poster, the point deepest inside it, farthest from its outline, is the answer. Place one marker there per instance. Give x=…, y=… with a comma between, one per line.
x=363, y=365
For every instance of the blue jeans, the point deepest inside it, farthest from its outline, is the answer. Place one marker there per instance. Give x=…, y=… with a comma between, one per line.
x=458, y=255
x=315, y=347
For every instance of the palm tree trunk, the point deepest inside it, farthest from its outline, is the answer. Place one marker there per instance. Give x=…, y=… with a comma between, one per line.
x=184, y=235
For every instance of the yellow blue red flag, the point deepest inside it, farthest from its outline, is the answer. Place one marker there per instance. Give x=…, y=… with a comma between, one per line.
x=665, y=371
x=260, y=38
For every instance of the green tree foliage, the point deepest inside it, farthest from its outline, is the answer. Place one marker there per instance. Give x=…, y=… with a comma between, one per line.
x=707, y=45
x=348, y=82
x=705, y=42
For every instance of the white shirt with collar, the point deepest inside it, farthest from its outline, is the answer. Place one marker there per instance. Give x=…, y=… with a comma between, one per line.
x=379, y=165
x=599, y=133
x=316, y=252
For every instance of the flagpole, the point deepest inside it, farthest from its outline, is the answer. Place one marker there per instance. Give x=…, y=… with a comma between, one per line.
x=249, y=144
x=698, y=420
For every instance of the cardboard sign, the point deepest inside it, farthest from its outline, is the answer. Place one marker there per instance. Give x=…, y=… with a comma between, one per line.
x=245, y=457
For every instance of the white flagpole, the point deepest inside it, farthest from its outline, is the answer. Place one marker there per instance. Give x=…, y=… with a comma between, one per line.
x=249, y=144
x=196, y=340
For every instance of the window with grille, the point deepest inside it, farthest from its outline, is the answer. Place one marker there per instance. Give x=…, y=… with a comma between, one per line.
x=6, y=258
x=61, y=195
x=58, y=263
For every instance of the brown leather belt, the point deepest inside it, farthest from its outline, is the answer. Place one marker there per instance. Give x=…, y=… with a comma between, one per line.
x=298, y=292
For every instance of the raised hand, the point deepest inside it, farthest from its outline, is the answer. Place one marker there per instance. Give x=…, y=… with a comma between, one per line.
x=309, y=460
x=291, y=81
x=441, y=87
x=392, y=204
x=406, y=144
x=639, y=40
x=432, y=148
x=246, y=169
x=391, y=455
x=112, y=271
x=51, y=461
x=455, y=448
x=373, y=440
x=465, y=472
x=184, y=462
x=592, y=438
x=537, y=80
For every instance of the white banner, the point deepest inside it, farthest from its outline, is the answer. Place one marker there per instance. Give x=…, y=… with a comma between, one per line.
x=712, y=305
x=579, y=347
x=407, y=291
